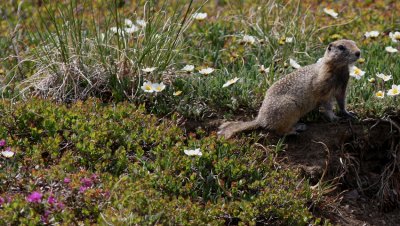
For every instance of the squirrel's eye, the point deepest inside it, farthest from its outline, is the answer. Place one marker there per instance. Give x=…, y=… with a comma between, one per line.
x=341, y=47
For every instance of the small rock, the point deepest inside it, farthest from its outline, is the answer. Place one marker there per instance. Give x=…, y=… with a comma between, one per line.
x=353, y=194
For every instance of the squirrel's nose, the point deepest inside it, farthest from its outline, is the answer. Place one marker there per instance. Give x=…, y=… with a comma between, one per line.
x=358, y=53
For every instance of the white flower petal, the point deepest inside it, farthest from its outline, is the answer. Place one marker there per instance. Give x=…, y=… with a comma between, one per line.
x=263, y=69
x=356, y=72
x=230, y=82
x=149, y=69
x=158, y=87
x=394, y=91
x=188, y=68
x=384, y=77
x=380, y=94
x=248, y=39
x=147, y=87
x=206, y=71
x=331, y=12
x=141, y=23
x=7, y=153
x=289, y=40
x=195, y=152
x=391, y=49
x=131, y=29
x=199, y=16
x=128, y=22
x=371, y=34
x=114, y=29
x=395, y=36
x=294, y=64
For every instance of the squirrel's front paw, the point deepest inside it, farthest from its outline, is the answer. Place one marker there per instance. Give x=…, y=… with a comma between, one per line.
x=348, y=114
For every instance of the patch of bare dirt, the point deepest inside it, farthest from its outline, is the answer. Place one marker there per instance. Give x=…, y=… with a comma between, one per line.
x=357, y=163
x=360, y=160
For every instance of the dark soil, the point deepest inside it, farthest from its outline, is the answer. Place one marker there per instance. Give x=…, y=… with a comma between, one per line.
x=360, y=160
x=358, y=164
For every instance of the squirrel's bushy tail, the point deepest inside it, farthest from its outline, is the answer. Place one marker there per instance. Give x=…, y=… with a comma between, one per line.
x=228, y=129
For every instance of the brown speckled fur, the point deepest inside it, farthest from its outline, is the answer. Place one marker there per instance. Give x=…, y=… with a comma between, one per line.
x=299, y=92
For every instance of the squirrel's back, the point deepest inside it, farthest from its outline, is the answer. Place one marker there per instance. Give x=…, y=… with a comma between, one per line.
x=299, y=92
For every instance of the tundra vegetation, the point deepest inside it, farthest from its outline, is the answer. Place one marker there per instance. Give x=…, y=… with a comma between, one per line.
x=100, y=102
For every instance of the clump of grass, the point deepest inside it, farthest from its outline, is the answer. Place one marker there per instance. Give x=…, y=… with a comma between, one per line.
x=78, y=58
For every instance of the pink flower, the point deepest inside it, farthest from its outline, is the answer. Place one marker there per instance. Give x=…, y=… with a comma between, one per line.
x=45, y=217
x=35, y=197
x=2, y=201
x=51, y=200
x=2, y=142
x=67, y=180
x=82, y=189
x=94, y=177
x=86, y=182
x=60, y=205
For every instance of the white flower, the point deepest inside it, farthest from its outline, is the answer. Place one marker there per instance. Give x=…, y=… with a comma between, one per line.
x=114, y=29
x=148, y=69
x=177, y=93
x=131, y=29
x=188, y=68
x=380, y=94
x=230, y=82
x=289, y=39
x=394, y=91
x=395, y=36
x=356, y=72
x=7, y=153
x=193, y=152
x=331, y=12
x=128, y=22
x=199, y=16
x=141, y=23
x=248, y=39
x=384, y=77
x=294, y=64
x=391, y=49
x=262, y=69
x=206, y=71
x=158, y=87
x=147, y=87
x=371, y=34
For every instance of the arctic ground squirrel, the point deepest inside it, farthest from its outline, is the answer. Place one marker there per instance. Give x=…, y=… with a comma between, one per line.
x=301, y=91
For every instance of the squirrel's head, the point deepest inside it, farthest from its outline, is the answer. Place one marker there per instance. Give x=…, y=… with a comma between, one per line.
x=342, y=52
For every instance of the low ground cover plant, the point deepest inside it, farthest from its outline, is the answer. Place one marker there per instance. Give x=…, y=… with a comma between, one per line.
x=92, y=162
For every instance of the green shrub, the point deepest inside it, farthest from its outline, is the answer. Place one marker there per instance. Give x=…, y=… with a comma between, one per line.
x=114, y=163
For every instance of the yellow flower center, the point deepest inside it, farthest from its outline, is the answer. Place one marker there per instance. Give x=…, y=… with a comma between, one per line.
x=147, y=87
x=397, y=36
x=357, y=71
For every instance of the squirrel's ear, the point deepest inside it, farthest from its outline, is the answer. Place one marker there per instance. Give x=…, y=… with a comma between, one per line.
x=330, y=47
